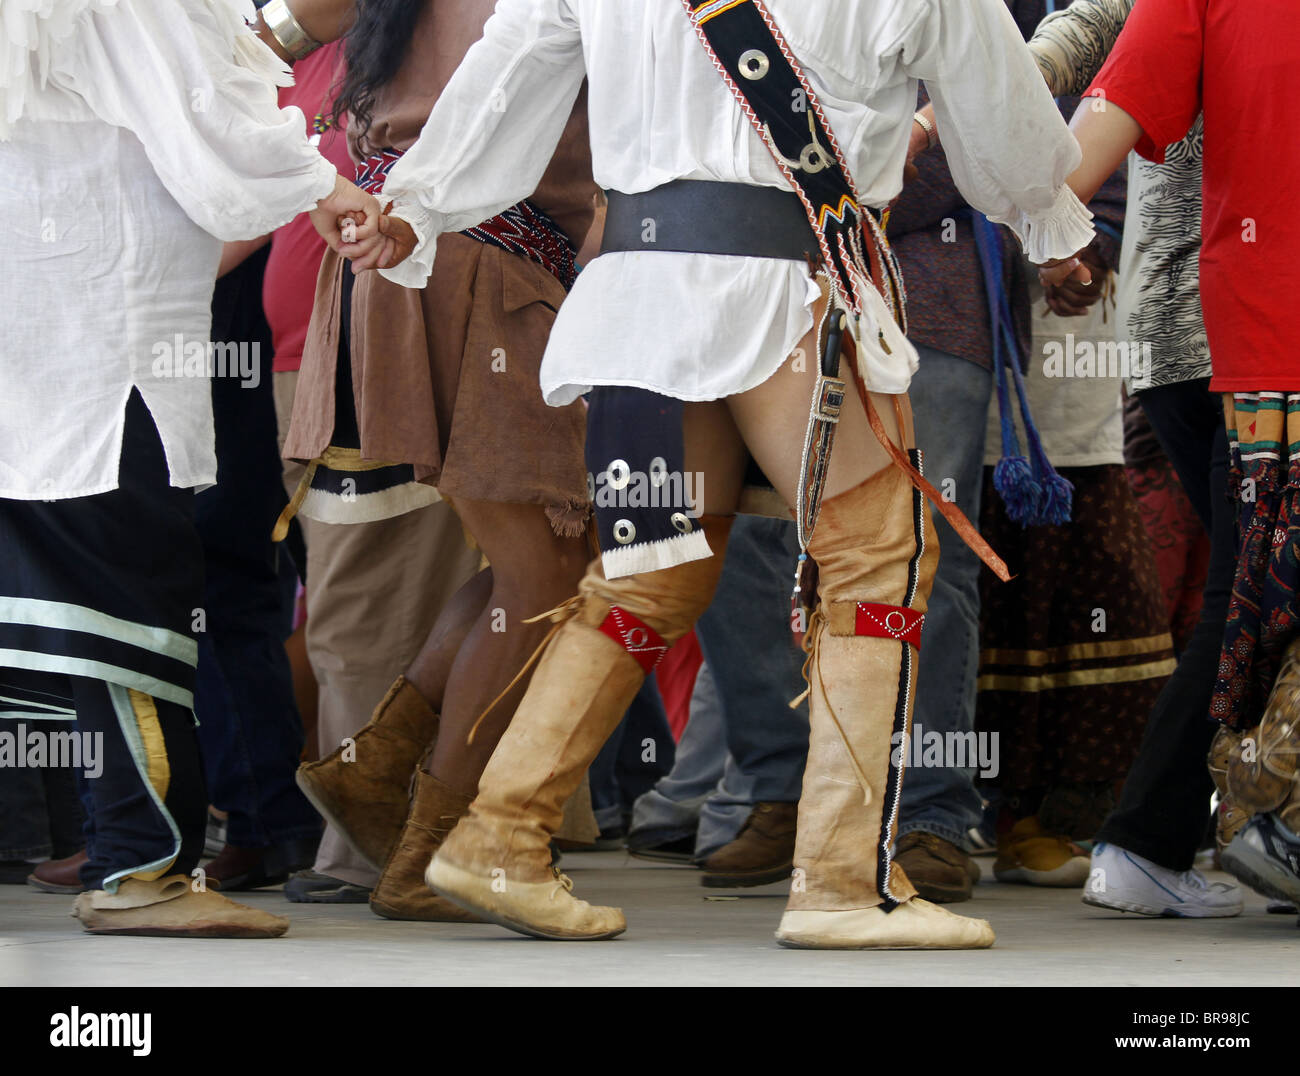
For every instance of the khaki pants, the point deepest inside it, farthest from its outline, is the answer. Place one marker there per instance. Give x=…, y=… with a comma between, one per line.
x=374, y=591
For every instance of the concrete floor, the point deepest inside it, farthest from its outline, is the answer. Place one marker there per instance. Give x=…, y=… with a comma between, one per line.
x=676, y=936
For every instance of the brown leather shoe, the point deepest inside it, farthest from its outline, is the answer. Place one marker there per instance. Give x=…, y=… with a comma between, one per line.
x=402, y=892
x=762, y=852
x=941, y=872
x=363, y=789
x=235, y=868
x=60, y=875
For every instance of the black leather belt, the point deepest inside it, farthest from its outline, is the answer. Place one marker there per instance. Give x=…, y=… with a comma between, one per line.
x=692, y=216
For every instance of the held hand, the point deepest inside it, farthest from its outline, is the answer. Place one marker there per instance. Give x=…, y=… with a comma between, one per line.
x=346, y=204
x=393, y=244
x=1073, y=299
x=1059, y=270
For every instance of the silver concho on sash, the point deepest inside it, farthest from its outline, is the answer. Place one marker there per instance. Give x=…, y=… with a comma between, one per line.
x=754, y=65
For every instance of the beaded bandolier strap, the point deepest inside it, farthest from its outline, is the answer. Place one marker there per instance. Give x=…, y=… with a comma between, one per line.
x=753, y=58
x=780, y=103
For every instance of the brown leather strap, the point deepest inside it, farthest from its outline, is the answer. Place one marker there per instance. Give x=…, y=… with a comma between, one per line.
x=955, y=516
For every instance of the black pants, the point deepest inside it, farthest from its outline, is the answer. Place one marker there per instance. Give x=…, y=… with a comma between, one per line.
x=150, y=803
x=40, y=813
x=129, y=555
x=1163, y=810
x=249, y=727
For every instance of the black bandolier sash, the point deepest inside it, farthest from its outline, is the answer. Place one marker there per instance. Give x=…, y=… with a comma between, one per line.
x=751, y=54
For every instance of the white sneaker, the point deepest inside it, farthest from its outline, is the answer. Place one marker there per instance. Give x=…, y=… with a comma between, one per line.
x=1126, y=882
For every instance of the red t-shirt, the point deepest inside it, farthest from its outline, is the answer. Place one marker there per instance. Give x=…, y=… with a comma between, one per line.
x=1237, y=61
x=289, y=286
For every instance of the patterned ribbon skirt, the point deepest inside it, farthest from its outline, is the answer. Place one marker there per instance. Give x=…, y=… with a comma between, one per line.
x=1263, y=614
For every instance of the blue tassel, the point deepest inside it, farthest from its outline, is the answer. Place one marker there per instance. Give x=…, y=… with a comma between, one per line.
x=1014, y=480
x=1032, y=491
x=1057, y=505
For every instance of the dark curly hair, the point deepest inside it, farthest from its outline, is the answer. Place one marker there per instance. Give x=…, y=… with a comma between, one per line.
x=374, y=50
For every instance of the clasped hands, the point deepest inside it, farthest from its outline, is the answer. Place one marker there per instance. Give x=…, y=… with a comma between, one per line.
x=1072, y=285
x=354, y=225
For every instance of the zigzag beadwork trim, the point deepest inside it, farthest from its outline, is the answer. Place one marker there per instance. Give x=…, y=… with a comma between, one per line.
x=844, y=260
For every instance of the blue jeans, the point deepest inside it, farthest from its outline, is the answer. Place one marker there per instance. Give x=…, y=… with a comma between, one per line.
x=950, y=399
x=743, y=744
x=624, y=770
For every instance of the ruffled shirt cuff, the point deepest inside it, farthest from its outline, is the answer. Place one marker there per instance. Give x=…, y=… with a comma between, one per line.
x=427, y=225
x=1059, y=232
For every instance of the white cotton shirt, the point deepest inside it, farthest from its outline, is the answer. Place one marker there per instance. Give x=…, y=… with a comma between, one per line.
x=155, y=137
x=700, y=327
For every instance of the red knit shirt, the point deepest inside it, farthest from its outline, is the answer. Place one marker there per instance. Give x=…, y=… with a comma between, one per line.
x=1236, y=61
x=289, y=286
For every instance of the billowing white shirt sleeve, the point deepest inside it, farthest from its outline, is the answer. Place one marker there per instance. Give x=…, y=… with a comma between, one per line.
x=198, y=90
x=1007, y=145
x=494, y=130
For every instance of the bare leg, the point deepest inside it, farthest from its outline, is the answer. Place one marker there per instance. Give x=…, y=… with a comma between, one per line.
x=713, y=450
x=432, y=665
x=773, y=417
x=532, y=570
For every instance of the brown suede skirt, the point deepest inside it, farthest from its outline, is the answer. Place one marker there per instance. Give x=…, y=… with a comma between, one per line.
x=446, y=380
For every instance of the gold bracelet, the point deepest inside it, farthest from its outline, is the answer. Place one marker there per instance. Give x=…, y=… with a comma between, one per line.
x=287, y=31
x=930, y=133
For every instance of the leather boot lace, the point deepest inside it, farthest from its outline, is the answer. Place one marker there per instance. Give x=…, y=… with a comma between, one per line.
x=812, y=647
x=562, y=881
x=559, y=616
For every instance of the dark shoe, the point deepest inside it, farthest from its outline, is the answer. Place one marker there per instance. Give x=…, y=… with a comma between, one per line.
x=308, y=887
x=214, y=836
x=613, y=839
x=657, y=846
x=238, y=868
x=762, y=853
x=363, y=789
x=1266, y=856
x=941, y=872
x=15, y=871
x=59, y=875
x=402, y=892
